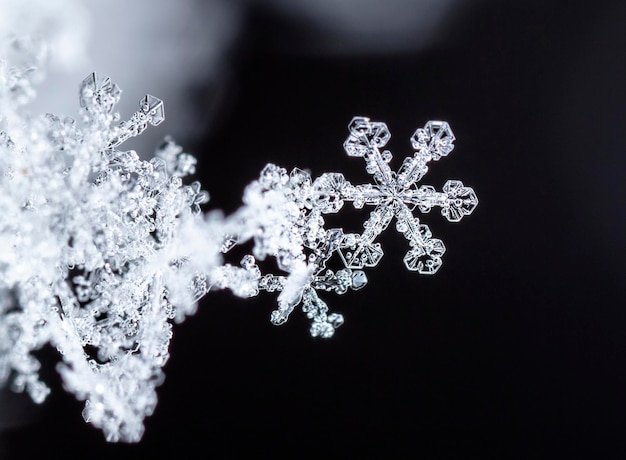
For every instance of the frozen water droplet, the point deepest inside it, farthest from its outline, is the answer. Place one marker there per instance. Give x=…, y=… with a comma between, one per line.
x=359, y=279
x=335, y=319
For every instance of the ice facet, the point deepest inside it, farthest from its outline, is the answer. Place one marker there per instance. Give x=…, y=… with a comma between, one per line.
x=365, y=136
x=153, y=109
x=435, y=139
x=359, y=279
x=99, y=90
x=328, y=192
x=365, y=255
x=461, y=201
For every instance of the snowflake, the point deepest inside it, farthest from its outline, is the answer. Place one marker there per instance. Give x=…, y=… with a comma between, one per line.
x=395, y=195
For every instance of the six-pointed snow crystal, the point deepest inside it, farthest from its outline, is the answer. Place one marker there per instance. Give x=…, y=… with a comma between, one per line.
x=396, y=194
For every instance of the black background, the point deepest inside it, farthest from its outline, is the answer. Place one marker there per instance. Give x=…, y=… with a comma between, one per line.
x=515, y=349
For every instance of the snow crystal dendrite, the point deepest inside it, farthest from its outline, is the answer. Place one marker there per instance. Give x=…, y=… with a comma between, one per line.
x=103, y=250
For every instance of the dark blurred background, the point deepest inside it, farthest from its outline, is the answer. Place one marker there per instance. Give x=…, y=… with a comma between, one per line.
x=515, y=349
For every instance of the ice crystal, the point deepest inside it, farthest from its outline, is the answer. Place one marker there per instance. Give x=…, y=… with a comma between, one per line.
x=102, y=250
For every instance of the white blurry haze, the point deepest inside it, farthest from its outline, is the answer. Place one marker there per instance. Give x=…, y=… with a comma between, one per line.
x=160, y=47
x=168, y=48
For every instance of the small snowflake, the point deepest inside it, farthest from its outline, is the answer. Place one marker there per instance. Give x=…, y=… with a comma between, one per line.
x=396, y=194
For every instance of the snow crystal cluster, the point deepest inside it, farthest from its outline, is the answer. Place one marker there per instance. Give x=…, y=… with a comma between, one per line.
x=102, y=251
